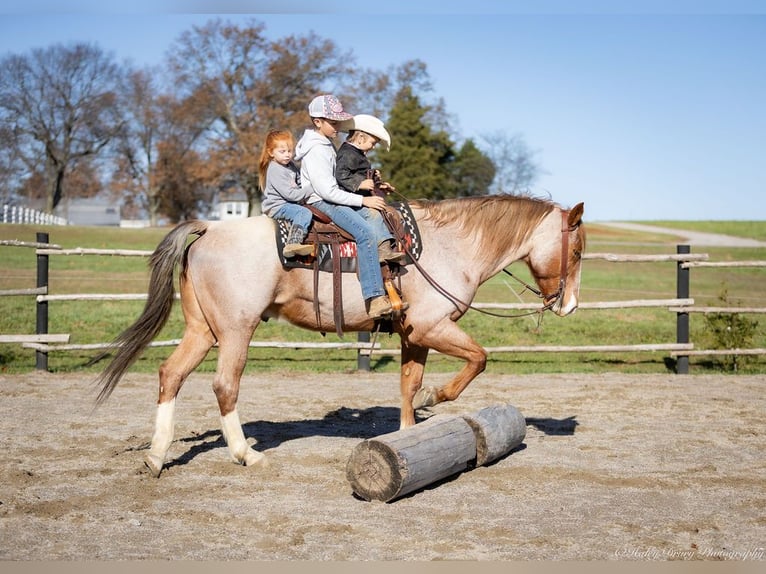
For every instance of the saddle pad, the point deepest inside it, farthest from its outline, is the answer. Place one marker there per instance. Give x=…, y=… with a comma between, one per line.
x=411, y=241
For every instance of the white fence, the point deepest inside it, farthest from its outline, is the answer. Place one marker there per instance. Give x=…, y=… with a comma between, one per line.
x=19, y=215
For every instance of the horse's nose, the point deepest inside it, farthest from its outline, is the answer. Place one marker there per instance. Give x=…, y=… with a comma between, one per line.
x=567, y=308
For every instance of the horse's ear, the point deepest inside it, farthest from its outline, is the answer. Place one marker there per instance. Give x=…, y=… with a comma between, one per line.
x=575, y=215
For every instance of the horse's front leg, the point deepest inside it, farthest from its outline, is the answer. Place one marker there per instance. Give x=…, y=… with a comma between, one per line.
x=413, y=365
x=448, y=339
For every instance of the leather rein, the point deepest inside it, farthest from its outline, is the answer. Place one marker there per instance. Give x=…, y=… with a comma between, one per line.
x=548, y=302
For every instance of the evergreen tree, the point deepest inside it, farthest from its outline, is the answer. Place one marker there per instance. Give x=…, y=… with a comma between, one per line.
x=422, y=162
x=417, y=162
x=472, y=171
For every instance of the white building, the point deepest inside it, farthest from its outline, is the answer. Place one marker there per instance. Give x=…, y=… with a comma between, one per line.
x=232, y=204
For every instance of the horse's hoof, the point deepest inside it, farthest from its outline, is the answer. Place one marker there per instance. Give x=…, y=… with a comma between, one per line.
x=154, y=464
x=256, y=459
x=425, y=397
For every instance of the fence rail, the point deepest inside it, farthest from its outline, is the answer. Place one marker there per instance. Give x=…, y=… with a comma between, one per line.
x=682, y=305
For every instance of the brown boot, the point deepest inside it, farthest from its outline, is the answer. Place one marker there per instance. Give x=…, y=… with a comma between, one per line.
x=294, y=243
x=293, y=249
x=378, y=307
x=388, y=255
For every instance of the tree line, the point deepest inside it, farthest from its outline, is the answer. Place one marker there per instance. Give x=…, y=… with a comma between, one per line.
x=162, y=141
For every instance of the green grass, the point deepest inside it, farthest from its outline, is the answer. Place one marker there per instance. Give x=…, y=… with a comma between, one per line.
x=94, y=322
x=748, y=229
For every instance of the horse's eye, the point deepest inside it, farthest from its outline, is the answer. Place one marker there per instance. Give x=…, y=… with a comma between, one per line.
x=577, y=253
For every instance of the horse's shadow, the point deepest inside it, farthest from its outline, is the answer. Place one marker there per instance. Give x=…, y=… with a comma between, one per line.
x=343, y=422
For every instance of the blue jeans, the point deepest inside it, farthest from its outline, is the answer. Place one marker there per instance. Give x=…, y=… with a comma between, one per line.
x=368, y=229
x=294, y=212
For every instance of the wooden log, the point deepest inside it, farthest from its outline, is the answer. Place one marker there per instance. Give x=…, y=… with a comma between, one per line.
x=498, y=430
x=392, y=465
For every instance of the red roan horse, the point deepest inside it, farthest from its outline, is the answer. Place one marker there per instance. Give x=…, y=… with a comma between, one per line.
x=231, y=279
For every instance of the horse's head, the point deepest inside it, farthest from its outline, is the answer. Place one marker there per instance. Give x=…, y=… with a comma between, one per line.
x=556, y=257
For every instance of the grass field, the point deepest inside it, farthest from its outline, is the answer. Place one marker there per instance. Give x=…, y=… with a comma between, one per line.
x=96, y=322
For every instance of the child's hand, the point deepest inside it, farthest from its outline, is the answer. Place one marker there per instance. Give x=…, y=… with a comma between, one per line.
x=366, y=185
x=387, y=187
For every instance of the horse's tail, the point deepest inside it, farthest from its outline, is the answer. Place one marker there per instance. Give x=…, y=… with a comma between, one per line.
x=131, y=342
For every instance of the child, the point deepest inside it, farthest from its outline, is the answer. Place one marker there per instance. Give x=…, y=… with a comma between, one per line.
x=316, y=153
x=353, y=169
x=352, y=166
x=282, y=193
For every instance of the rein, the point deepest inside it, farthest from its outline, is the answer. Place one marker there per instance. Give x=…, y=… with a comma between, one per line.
x=548, y=302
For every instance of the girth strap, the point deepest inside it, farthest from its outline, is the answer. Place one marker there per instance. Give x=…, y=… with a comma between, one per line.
x=334, y=239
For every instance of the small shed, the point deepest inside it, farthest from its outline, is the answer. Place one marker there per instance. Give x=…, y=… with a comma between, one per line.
x=232, y=204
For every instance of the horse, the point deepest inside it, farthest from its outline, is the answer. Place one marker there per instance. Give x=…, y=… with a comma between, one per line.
x=231, y=278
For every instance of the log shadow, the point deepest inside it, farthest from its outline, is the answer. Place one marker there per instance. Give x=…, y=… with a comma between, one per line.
x=555, y=427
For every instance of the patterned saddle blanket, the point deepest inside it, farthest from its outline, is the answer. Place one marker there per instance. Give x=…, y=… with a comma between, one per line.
x=411, y=244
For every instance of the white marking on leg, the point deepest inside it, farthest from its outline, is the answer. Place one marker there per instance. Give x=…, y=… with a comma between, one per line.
x=163, y=436
x=235, y=439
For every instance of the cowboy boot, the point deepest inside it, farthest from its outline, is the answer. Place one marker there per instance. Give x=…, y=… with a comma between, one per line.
x=386, y=254
x=294, y=243
x=378, y=307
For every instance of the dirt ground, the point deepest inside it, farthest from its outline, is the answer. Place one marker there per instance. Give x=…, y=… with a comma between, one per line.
x=612, y=467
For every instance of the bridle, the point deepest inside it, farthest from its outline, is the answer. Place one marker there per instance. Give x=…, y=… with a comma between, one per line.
x=549, y=302
x=557, y=296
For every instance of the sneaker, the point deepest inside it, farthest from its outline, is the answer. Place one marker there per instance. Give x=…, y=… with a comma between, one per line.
x=379, y=306
x=293, y=249
x=388, y=255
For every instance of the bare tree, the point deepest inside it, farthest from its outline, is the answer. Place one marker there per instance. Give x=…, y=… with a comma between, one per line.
x=151, y=119
x=514, y=162
x=59, y=104
x=249, y=86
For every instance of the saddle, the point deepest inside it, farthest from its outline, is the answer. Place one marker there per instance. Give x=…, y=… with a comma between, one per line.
x=335, y=252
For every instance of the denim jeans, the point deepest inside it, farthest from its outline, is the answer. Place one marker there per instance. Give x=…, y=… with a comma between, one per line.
x=294, y=212
x=366, y=229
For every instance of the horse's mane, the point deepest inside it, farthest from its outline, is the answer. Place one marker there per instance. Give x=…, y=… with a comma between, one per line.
x=496, y=220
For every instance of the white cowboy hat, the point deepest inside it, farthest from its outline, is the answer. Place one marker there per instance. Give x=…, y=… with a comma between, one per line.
x=369, y=125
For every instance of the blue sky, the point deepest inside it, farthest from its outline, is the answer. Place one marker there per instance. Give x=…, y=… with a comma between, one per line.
x=644, y=111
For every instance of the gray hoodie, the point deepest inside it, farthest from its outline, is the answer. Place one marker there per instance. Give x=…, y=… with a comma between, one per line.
x=282, y=186
x=317, y=156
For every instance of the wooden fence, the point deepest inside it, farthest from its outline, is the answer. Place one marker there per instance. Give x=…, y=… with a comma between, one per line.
x=43, y=342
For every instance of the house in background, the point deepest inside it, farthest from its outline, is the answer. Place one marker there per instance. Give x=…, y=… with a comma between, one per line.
x=232, y=203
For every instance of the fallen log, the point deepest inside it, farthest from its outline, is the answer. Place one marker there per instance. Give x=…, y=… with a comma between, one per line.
x=392, y=465
x=498, y=430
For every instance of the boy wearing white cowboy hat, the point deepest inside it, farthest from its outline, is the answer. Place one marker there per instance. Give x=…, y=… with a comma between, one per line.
x=352, y=165
x=353, y=169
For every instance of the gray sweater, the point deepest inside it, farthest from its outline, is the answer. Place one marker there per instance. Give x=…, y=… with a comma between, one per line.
x=282, y=186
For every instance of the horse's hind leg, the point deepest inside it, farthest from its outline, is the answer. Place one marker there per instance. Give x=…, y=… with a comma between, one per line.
x=232, y=357
x=196, y=342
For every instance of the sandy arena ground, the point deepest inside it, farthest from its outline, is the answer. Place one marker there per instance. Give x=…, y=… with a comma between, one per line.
x=613, y=467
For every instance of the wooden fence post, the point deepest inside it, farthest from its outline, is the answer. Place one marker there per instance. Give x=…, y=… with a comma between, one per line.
x=682, y=318
x=41, y=327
